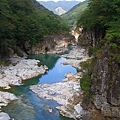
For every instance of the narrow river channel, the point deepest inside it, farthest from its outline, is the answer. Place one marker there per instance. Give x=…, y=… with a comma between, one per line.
x=29, y=106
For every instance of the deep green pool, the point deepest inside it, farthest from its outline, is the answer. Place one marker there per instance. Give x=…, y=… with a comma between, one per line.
x=29, y=106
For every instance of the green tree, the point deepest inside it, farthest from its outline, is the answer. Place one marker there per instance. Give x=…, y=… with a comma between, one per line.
x=102, y=14
x=26, y=21
x=6, y=27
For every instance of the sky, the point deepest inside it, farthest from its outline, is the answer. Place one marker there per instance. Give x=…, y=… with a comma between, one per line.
x=61, y=0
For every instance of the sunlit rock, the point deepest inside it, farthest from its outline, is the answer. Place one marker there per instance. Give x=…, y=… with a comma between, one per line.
x=6, y=97
x=24, y=69
x=67, y=94
x=4, y=116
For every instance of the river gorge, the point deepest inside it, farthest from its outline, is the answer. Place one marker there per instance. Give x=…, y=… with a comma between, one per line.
x=60, y=77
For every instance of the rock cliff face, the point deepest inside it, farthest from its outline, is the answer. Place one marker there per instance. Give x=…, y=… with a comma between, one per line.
x=105, y=88
x=90, y=38
x=53, y=42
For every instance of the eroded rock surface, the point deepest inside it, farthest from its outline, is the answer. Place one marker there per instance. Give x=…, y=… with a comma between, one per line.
x=5, y=98
x=105, y=79
x=76, y=56
x=19, y=69
x=4, y=116
x=52, y=44
x=22, y=70
x=67, y=94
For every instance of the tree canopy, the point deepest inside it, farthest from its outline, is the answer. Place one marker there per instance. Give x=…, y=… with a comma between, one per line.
x=102, y=14
x=26, y=20
x=72, y=14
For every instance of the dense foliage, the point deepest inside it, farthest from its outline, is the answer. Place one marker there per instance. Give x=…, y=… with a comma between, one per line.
x=102, y=14
x=26, y=20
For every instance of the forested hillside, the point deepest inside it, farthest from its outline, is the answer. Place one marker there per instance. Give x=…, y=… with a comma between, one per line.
x=102, y=18
x=72, y=15
x=101, y=35
x=26, y=20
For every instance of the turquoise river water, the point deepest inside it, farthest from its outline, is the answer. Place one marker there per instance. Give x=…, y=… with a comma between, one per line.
x=29, y=106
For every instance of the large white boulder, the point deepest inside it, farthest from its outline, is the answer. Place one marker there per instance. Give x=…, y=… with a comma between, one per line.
x=4, y=116
x=24, y=69
x=6, y=97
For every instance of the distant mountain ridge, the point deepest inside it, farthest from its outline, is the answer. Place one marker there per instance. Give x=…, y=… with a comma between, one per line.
x=73, y=13
x=65, y=5
x=60, y=10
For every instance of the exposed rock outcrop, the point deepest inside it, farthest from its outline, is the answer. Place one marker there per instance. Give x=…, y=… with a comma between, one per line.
x=21, y=69
x=76, y=55
x=66, y=93
x=51, y=44
x=6, y=97
x=105, y=88
x=4, y=116
x=90, y=38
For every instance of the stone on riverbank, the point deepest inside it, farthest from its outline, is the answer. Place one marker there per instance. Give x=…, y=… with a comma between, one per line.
x=20, y=69
x=76, y=53
x=6, y=97
x=67, y=94
x=76, y=56
x=24, y=69
x=4, y=116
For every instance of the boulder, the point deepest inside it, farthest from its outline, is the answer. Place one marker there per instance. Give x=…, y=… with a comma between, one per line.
x=24, y=69
x=6, y=97
x=4, y=116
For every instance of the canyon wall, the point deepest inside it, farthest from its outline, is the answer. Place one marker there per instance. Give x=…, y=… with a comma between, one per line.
x=104, y=98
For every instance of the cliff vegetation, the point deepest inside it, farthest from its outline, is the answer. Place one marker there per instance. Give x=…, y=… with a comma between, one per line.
x=101, y=83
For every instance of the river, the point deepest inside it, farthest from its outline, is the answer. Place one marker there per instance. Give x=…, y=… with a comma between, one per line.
x=29, y=106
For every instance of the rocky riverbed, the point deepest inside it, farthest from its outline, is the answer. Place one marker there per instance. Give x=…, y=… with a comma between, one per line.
x=76, y=56
x=67, y=93
x=20, y=69
x=5, y=98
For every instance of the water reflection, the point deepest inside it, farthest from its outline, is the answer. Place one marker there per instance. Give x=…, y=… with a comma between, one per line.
x=46, y=59
x=58, y=73
x=29, y=106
